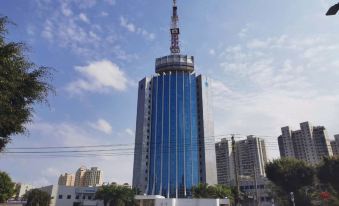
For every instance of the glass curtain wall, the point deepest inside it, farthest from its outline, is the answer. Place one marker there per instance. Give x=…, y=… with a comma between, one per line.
x=174, y=150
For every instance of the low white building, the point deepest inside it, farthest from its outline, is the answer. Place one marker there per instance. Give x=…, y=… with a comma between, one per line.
x=156, y=200
x=72, y=196
x=21, y=190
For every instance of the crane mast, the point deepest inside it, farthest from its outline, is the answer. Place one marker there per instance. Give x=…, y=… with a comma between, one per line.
x=175, y=49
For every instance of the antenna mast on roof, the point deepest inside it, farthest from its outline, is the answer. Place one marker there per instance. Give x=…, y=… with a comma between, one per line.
x=175, y=49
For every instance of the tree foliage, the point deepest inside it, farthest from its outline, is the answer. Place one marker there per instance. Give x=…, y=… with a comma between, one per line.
x=36, y=197
x=290, y=174
x=212, y=191
x=22, y=83
x=6, y=187
x=328, y=172
x=116, y=195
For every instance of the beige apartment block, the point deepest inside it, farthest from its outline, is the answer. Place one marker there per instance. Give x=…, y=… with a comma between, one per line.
x=66, y=179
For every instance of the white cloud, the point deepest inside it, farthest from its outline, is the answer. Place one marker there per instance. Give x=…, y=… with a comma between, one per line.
x=51, y=172
x=48, y=30
x=244, y=31
x=66, y=10
x=129, y=132
x=103, y=126
x=127, y=25
x=111, y=2
x=278, y=81
x=134, y=29
x=99, y=76
x=83, y=17
x=211, y=52
x=103, y=13
x=62, y=27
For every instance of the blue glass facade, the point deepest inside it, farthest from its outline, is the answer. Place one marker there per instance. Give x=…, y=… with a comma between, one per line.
x=174, y=145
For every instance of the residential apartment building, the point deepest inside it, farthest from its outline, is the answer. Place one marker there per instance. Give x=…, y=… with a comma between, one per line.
x=335, y=145
x=83, y=178
x=310, y=143
x=80, y=177
x=251, y=156
x=224, y=161
x=66, y=179
x=250, y=159
x=93, y=177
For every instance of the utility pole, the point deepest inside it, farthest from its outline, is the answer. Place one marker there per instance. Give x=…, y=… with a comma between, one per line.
x=237, y=198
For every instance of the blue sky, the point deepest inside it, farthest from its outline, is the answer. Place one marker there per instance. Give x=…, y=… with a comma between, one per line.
x=274, y=64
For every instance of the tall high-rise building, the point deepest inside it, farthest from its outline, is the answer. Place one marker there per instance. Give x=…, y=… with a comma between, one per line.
x=250, y=159
x=310, y=143
x=79, y=177
x=225, y=162
x=174, y=143
x=66, y=179
x=93, y=177
x=335, y=145
x=251, y=156
x=88, y=177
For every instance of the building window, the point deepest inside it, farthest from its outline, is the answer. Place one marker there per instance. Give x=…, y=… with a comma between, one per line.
x=83, y=197
x=89, y=197
x=77, y=197
x=60, y=196
x=69, y=196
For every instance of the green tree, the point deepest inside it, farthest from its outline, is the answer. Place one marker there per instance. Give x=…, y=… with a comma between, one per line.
x=200, y=191
x=36, y=197
x=116, y=195
x=22, y=84
x=328, y=172
x=213, y=191
x=6, y=187
x=290, y=174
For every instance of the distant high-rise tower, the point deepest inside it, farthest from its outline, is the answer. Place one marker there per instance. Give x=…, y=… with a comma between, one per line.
x=174, y=143
x=251, y=156
x=79, y=177
x=335, y=145
x=66, y=180
x=225, y=162
x=309, y=143
x=250, y=159
x=88, y=177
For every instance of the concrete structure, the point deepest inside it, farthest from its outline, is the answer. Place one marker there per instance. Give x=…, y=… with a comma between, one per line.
x=93, y=177
x=250, y=159
x=79, y=177
x=225, y=162
x=21, y=189
x=174, y=140
x=261, y=195
x=66, y=179
x=157, y=200
x=88, y=177
x=72, y=196
x=335, y=145
x=251, y=156
x=310, y=143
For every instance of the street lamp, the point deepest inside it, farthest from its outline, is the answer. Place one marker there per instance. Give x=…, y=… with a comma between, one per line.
x=333, y=10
